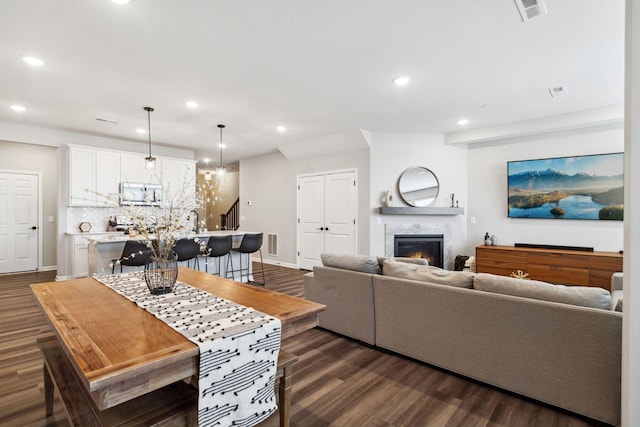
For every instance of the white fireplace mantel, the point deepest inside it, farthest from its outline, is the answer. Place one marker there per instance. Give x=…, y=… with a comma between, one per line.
x=408, y=210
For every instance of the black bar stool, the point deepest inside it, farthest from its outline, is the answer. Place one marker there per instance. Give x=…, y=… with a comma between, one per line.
x=217, y=247
x=186, y=250
x=135, y=254
x=250, y=244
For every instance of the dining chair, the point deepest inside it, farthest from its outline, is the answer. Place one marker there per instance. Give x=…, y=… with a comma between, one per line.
x=250, y=244
x=218, y=247
x=134, y=254
x=187, y=250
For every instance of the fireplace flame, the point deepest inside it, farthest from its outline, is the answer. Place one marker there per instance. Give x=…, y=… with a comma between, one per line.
x=419, y=254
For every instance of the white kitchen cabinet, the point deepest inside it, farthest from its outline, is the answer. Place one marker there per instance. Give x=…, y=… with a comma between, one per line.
x=132, y=168
x=107, y=177
x=178, y=179
x=169, y=175
x=80, y=253
x=93, y=176
x=82, y=176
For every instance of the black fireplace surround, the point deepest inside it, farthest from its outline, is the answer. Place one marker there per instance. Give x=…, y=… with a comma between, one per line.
x=428, y=246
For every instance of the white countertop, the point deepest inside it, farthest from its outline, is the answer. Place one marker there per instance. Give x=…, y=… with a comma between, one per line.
x=121, y=237
x=91, y=233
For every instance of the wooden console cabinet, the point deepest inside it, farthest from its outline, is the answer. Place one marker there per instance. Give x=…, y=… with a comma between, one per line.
x=567, y=267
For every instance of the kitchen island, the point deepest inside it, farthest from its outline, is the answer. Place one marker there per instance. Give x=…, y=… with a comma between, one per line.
x=103, y=249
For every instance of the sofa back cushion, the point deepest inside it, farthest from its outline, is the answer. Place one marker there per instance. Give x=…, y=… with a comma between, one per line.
x=425, y=273
x=575, y=295
x=361, y=263
x=418, y=261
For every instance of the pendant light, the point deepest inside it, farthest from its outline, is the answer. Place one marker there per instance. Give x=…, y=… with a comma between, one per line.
x=220, y=169
x=151, y=161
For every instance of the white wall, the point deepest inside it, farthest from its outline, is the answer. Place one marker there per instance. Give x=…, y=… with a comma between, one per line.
x=392, y=154
x=488, y=193
x=34, y=158
x=269, y=182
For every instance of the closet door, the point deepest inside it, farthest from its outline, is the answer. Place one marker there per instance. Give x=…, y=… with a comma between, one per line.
x=326, y=216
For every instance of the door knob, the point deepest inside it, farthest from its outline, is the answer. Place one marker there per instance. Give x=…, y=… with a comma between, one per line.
x=321, y=228
x=34, y=227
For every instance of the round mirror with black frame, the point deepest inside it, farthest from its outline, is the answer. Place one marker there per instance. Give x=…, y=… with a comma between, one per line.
x=418, y=186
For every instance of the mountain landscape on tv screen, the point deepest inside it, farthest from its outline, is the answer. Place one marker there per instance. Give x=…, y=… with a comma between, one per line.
x=553, y=193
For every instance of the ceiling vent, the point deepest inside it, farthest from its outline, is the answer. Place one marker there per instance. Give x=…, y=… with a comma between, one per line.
x=531, y=8
x=100, y=119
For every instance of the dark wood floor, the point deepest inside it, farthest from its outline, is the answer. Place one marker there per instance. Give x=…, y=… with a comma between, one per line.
x=337, y=381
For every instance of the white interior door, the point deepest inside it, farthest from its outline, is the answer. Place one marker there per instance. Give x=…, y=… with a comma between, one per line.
x=327, y=216
x=18, y=222
x=311, y=218
x=340, y=213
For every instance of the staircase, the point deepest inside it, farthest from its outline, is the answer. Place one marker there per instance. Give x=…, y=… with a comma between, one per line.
x=231, y=219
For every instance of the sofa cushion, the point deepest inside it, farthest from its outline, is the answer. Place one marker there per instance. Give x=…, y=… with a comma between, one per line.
x=425, y=273
x=575, y=295
x=418, y=261
x=361, y=263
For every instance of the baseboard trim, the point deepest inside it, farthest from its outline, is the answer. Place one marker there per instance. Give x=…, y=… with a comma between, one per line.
x=61, y=278
x=49, y=268
x=278, y=263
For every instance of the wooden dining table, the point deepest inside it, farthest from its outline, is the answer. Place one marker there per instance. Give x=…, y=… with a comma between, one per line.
x=120, y=351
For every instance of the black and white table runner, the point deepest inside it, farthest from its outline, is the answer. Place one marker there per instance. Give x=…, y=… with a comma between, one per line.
x=238, y=347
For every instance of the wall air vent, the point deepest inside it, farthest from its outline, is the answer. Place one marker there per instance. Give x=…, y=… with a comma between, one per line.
x=530, y=8
x=272, y=244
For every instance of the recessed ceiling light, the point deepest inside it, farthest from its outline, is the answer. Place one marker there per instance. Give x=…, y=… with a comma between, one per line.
x=462, y=122
x=18, y=108
x=281, y=128
x=121, y=1
x=206, y=160
x=32, y=60
x=141, y=131
x=191, y=104
x=401, y=81
x=221, y=145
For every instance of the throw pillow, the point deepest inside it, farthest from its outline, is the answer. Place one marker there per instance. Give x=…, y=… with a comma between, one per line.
x=425, y=273
x=418, y=261
x=575, y=295
x=618, y=306
x=361, y=263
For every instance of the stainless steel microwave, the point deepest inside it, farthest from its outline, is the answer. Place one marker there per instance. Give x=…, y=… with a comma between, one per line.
x=140, y=194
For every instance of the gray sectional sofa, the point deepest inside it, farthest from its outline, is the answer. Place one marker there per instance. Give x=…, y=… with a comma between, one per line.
x=559, y=345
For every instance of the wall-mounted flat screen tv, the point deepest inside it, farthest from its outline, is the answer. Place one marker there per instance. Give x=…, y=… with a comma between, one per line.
x=578, y=187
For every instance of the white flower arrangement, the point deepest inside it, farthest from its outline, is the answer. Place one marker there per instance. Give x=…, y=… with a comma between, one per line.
x=160, y=226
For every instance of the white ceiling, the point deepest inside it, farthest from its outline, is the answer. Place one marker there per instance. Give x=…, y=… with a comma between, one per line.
x=317, y=67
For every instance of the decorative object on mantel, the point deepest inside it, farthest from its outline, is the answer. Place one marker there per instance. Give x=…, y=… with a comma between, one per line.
x=85, y=227
x=487, y=239
x=452, y=198
x=418, y=186
x=387, y=199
